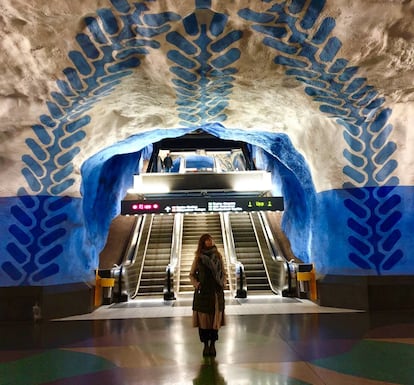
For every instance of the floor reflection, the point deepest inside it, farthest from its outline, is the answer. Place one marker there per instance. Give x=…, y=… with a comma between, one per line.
x=209, y=374
x=261, y=349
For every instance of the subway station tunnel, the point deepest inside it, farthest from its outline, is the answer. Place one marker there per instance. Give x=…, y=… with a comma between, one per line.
x=320, y=91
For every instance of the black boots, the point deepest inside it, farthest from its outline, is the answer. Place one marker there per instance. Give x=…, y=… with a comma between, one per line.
x=206, y=350
x=209, y=351
x=212, y=349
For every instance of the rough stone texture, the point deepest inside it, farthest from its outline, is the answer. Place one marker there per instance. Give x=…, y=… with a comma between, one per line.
x=376, y=36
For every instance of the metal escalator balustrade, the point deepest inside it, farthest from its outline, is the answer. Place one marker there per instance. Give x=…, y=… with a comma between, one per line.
x=172, y=279
x=234, y=268
x=133, y=265
x=248, y=252
x=277, y=266
x=118, y=271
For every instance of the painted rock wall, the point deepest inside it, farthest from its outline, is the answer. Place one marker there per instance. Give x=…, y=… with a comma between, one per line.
x=321, y=89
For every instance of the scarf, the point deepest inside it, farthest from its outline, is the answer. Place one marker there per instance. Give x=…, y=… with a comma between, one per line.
x=210, y=259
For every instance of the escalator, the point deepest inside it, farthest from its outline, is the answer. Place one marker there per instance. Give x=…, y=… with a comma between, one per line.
x=193, y=227
x=157, y=256
x=154, y=242
x=248, y=252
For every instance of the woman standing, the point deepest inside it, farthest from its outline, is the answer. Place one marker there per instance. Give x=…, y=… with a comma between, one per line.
x=207, y=275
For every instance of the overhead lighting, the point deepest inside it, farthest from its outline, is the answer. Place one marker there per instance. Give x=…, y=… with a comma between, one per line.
x=150, y=187
x=263, y=184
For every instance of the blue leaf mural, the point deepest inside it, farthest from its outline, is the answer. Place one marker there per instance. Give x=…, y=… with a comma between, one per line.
x=203, y=64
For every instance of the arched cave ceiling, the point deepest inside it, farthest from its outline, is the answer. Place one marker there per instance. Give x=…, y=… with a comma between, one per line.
x=38, y=37
x=329, y=81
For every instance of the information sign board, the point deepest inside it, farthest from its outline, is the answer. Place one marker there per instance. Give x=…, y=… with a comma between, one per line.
x=201, y=205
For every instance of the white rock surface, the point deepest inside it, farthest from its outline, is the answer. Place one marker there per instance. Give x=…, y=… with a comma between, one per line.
x=36, y=36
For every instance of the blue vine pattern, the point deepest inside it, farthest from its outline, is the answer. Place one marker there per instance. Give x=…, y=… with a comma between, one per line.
x=203, y=63
x=355, y=105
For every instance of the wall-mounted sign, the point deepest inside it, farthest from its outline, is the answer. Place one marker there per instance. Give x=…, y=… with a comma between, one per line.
x=201, y=205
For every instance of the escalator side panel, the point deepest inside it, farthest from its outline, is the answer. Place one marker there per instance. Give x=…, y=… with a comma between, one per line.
x=274, y=265
x=119, y=235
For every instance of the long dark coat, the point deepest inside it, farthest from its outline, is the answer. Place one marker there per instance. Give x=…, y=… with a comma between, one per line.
x=204, y=298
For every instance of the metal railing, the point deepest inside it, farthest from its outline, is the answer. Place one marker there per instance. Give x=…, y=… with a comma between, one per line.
x=139, y=257
x=172, y=273
x=277, y=267
x=119, y=272
x=237, y=278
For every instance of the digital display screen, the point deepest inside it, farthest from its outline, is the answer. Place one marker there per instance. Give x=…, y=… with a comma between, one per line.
x=145, y=206
x=201, y=205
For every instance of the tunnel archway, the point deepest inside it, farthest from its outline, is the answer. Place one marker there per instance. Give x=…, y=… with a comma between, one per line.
x=108, y=175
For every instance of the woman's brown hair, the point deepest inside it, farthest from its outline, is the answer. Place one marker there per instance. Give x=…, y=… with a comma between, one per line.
x=201, y=242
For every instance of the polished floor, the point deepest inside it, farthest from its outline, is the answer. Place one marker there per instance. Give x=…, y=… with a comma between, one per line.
x=267, y=340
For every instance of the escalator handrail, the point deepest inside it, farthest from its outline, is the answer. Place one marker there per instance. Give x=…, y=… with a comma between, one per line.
x=228, y=250
x=133, y=242
x=275, y=246
x=228, y=241
x=129, y=257
x=275, y=251
x=259, y=245
x=235, y=266
x=143, y=255
x=176, y=245
x=270, y=239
